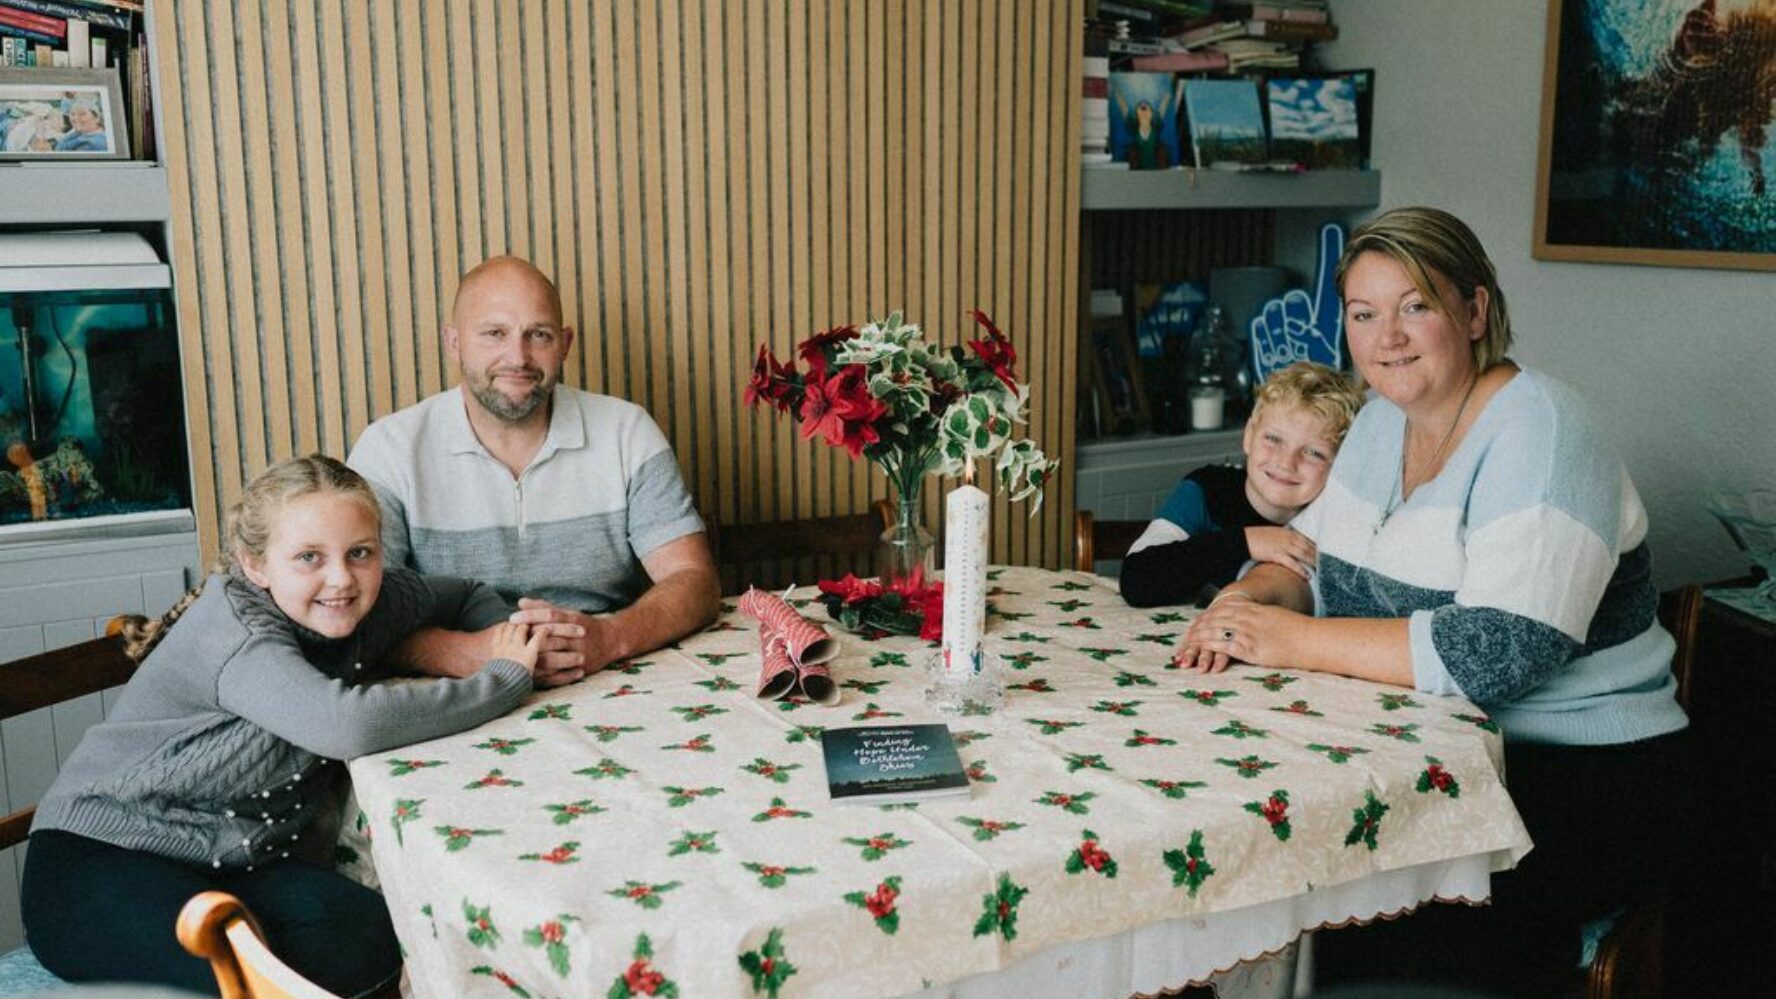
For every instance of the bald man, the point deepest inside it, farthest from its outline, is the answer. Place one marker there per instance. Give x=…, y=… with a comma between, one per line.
x=570, y=503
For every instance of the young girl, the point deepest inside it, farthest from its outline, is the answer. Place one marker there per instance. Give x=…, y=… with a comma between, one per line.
x=223, y=748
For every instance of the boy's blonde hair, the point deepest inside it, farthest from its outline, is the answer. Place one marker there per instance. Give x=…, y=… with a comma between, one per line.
x=1331, y=396
x=250, y=523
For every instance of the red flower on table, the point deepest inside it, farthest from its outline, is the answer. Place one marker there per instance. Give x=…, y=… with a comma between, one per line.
x=851, y=589
x=841, y=410
x=773, y=382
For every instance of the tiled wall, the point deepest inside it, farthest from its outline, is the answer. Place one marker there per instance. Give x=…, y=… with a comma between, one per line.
x=52, y=595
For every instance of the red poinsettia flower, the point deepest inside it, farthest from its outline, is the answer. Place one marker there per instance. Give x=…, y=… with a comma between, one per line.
x=930, y=604
x=841, y=410
x=852, y=589
x=772, y=382
x=813, y=350
x=995, y=350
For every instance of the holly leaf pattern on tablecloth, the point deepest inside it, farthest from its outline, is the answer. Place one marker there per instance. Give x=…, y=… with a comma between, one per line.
x=1246, y=766
x=1086, y=761
x=779, y=809
x=889, y=659
x=1240, y=730
x=1126, y=679
x=1103, y=654
x=696, y=744
x=879, y=903
x=1035, y=685
x=494, y=778
x=999, y=909
x=1298, y=708
x=969, y=735
x=775, y=875
x=1124, y=708
x=1404, y=733
x=643, y=894
x=1366, y=821
x=605, y=769
x=1070, y=586
x=405, y=811
x=1069, y=605
x=1394, y=702
x=480, y=929
x=1272, y=682
x=986, y=829
x=698, y=712
x=1480, y=722
x=563, y=853
x=1090, y=855
x=1076, y=803
x=1029, y=636
x=1143, y=738
x=1051, y=726
x=718, y=658
x=976, y=771
x=1207, y=698
x=1436, y=778
x=876, y=847
x=768, y=965
x=1275, y=811
x=872, y=710
x=777, y=773
x=678, y=797
x=1023, y=660
x=868, y=688
x=629, y=667
x=1190, y=866
x=1337, y=754
x=719, y=685
x=551, y=936
x=501, y=977
x=694, y=842
x=1085, y=623
x=1158, y=638
x=1167, y=617
x=1174, y=789
x=609, y=733
x=569, y=811
x=504, y=747
x=458, y=838
x=401, y=768
x=551, y=712
x=641, y=978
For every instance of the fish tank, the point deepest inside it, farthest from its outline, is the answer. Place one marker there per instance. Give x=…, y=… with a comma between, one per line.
x=91, y=414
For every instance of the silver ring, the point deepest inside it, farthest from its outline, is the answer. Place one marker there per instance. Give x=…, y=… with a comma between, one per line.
x=1227, y=634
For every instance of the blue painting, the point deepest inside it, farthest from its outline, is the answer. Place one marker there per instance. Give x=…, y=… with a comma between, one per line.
x=1303, y=325
x=1226, y=122
x=1144, y=122
x=1656, y=133
x=1313, y=121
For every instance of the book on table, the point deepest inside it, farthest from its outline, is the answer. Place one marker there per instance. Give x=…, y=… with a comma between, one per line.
x=888, y=764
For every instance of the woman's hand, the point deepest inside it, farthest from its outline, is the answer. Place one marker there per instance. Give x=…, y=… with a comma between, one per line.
x=1282, y=546
x=517, y=642
x=1237, y=628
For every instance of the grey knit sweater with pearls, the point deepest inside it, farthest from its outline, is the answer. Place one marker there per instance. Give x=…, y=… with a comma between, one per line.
x=223, y=746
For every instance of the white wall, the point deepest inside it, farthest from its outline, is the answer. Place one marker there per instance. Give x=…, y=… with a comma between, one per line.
x=1680, y=362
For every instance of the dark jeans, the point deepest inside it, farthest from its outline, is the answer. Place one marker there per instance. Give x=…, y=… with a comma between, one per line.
x=96, y=912
x=1610, y=826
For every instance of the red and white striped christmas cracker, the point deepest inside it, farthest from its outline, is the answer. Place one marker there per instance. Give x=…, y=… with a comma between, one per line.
x=778, y=677
x=794, y=650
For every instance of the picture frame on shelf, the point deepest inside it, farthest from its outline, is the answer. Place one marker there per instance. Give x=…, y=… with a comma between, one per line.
x=1653, y=144
x=1144, y=120
x=1117, y=377
x=62, y=114
x=1320, y=119
x=1226, y=122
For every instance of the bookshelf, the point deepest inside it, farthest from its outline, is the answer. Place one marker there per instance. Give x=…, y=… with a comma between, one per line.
x=84, y=193
x=1133, y=190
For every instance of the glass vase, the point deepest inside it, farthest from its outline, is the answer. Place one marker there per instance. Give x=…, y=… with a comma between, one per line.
x=905, y=547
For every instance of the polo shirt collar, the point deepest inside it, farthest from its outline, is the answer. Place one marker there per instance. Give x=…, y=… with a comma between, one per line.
x=566, y=429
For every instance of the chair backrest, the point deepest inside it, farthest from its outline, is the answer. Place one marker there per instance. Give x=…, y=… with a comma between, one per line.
x=1680, y=611
x=216, y=926
x=50, y=678
x=775, y=554
x=1102, y=540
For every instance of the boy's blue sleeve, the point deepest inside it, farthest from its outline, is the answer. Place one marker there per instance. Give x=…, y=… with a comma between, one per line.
x=1188, y=508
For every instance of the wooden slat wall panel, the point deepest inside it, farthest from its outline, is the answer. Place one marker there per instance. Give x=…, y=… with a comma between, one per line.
x=700, y=176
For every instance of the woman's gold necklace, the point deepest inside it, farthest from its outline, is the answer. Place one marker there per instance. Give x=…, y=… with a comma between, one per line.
x=1398, y=495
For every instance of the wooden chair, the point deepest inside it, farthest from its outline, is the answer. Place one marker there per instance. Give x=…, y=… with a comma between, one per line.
x=1095, y=539
x=776, y=554
x=1630, y=960
x=216, y=926
x=40, y=681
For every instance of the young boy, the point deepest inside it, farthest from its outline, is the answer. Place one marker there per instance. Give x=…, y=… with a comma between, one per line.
x=1219, y=517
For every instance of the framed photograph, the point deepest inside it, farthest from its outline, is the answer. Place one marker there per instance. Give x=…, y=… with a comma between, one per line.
x=1117, y=378
x=62, y=114
x=1144, y=120
x=1655, y=145
x=1226, y=121
x=1321, y=120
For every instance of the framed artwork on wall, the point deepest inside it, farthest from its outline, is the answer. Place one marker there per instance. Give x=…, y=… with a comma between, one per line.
x=56, y=114
x=1656, y=145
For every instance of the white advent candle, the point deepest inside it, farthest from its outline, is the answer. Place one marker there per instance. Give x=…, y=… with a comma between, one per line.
x=965, y=579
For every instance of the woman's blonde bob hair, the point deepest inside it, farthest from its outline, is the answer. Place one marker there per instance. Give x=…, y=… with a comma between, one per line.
x=1431, y=243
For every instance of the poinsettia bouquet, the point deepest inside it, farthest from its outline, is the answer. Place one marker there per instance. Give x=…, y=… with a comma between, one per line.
x=908, y=606
x=883, y=392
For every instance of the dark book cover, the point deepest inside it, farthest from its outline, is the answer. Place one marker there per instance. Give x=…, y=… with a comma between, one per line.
x=885, y=764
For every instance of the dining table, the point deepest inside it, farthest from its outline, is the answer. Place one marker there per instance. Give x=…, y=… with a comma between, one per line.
x=656, y=829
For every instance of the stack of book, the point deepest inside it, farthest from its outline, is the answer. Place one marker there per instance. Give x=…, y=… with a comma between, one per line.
x=84, y=34
x=1094, y=132
x=1229, y=36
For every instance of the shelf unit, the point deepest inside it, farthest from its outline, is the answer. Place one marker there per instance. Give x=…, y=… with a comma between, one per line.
x=84, y=193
